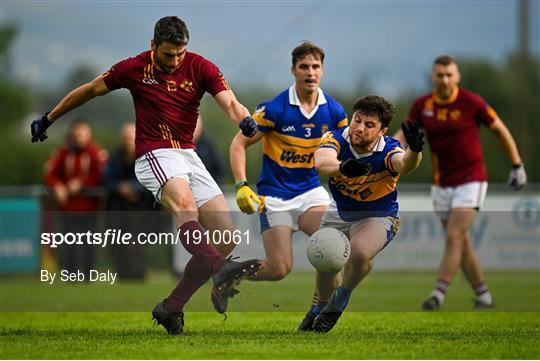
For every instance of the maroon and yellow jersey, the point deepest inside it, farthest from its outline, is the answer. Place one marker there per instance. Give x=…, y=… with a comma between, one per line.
x=166, y=105
x=453, y=131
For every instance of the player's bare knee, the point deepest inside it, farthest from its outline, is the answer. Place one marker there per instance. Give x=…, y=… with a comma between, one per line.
x=177, y=201
x=455, y=239
x=280, y=271
x=359, y=258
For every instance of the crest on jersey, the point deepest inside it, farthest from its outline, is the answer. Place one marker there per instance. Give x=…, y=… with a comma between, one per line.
x=455, y=114
x=324, y=128
x=187, y=86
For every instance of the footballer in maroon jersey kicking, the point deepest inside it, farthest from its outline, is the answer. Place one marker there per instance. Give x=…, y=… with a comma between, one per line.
x=167, y=84
x=451, y=117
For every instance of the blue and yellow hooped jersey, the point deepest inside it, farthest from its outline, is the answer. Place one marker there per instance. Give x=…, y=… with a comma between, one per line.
x=291, y=137
x=374, y=195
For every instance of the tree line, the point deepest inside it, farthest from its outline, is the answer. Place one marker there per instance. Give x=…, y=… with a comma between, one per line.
x=511, y=87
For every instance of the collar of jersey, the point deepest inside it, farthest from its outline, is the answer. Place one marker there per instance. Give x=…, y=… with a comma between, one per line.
x=156, y=65
x=295, y=100
x=379, y=147
x=450, y=100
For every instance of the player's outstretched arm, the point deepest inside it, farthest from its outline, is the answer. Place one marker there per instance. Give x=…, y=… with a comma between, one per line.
x=78, y=97
x=245, y=196
x=236, y=112
x=327, y=163
x=409, y=160
x=400, y=137
x=406, y=162
x=517, y=177
x=74, y=99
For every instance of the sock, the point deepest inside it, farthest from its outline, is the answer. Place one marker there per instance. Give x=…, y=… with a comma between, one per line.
x=205, y=262
x=440, y=290
x=482, y=293
x=204, y=249
x=341, y=297
x=196, y=273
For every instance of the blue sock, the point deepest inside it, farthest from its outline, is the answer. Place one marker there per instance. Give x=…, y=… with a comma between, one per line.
x=316, y=309
x=341, y=297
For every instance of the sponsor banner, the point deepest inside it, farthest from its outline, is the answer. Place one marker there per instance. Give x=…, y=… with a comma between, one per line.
x=506, y=234
x=19, y=228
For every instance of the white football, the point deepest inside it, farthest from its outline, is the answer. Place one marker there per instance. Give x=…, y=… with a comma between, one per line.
x=328, y=250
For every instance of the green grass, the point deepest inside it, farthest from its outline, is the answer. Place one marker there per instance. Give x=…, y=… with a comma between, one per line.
x=381, y=322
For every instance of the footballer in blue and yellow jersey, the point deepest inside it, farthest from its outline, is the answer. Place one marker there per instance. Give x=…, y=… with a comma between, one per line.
x=291, y=137
x=372, y=195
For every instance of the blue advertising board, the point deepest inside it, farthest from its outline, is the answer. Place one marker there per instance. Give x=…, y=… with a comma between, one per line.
x=19, y=228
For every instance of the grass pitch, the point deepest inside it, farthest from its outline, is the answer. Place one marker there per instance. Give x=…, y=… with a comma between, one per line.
x=381, y=323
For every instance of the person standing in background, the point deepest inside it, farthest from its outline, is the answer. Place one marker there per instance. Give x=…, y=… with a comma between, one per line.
x=70, y=171
x=451, y=118
x=129, y=205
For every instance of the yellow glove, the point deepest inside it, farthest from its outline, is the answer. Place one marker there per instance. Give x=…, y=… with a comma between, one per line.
x=245, y=196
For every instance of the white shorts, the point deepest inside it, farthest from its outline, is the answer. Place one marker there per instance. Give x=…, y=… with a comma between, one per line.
x=468, y=195
x=278, y=212
x=331, y=219
x=155, y=168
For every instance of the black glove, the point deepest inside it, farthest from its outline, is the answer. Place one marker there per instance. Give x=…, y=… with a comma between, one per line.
x=353, y=168
x=248, y=126
x=413, y=135
x=39, y=128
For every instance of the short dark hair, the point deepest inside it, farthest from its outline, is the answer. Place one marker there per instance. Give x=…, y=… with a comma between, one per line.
x=444, y=60
x=171, y=29
x=305, y=49
x=374, y=105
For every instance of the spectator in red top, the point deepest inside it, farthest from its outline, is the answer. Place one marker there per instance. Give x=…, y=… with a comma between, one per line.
x=451, y=117
x=76, y=165
x=69, y=172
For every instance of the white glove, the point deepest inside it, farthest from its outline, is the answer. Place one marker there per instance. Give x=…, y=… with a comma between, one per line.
x=517, y=177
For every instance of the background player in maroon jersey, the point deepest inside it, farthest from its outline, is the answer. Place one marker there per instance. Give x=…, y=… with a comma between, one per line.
x=451, y=117
x=167, y=84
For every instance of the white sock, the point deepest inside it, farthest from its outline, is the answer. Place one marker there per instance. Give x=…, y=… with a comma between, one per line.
x=485, y=298
x=438, y=295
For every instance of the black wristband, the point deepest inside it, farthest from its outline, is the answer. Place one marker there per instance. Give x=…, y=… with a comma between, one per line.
x=46, y=120
x=240, y=184
x=517, y=166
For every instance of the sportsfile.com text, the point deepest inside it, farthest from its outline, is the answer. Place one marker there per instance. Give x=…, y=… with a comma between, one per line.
x=119, y=237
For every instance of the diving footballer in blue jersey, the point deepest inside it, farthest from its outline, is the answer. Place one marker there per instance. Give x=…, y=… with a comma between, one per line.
x=364, y=166
x=289, y=192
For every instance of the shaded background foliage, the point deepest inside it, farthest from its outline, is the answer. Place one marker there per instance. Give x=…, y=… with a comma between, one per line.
x=511, y=88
